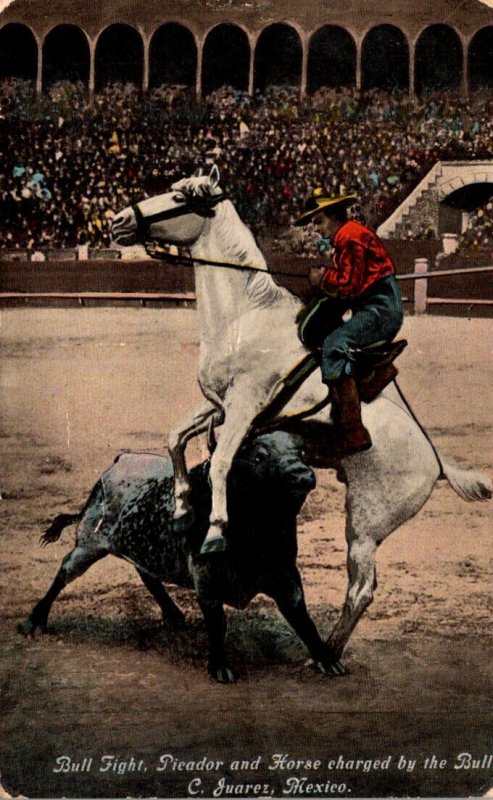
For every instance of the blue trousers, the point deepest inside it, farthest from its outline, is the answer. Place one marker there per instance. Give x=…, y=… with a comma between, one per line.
x=376, y=318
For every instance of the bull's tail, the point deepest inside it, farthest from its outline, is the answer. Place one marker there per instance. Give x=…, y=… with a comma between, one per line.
x=468, y=484
x=53, y=533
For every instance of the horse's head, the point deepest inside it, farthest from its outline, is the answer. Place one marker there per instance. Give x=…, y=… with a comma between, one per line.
x=177, y=217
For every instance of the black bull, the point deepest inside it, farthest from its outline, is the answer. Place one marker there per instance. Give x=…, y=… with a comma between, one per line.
x=129, y=514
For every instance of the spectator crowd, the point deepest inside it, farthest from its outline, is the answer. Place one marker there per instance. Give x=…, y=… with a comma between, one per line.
x=67, y=163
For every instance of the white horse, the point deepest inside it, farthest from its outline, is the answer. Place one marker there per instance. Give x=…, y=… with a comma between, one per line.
x=249, y=342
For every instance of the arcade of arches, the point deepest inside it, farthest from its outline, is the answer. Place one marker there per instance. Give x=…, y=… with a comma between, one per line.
x=384, y=58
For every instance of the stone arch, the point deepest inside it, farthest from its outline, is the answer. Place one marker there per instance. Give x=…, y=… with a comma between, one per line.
x=18, y=52
x=119, y=56
x=385, y=59
x=331, y=58
x=226, y=58
x=438, y=59
x=468, y=183
x=66, y=55
x=480, y=58
x=172, y=56
x=460, y=197
x=278, y=57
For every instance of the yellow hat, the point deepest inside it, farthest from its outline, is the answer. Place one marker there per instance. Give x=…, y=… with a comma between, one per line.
x=319, y=200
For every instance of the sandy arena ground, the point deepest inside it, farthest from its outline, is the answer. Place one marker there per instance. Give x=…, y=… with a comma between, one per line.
x=80, y=385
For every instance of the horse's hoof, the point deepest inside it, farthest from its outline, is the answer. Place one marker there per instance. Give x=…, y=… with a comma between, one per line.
x=213, y=544
x=221, y=674
x=183, y=524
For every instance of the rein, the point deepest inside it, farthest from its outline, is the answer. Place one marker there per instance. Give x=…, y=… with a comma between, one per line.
x=154, y=251
x=203, y=207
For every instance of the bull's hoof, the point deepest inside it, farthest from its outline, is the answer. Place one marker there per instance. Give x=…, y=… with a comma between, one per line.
x=331, y=667
x=213, y=544
x=29, y=627
x=183, y=524
x=175, y=620
x=221, y=674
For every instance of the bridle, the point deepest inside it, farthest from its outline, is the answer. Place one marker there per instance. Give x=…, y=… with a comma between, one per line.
x=192, y=204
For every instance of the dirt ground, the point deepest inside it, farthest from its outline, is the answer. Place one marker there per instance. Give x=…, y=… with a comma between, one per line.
x=77, y=387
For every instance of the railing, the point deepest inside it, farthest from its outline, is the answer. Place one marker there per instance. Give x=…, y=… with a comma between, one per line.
x=422, y=275
x=171, y=298
x=419, y=299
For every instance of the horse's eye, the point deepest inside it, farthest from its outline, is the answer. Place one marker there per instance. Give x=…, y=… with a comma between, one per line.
x=178, y=198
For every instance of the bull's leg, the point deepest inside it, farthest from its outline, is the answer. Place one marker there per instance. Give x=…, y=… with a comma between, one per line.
x=206, y=579
x=288, y=594
x=73, y=566
x=215, y=621
x=362, y=583
x=179, y=437
x=172, y=615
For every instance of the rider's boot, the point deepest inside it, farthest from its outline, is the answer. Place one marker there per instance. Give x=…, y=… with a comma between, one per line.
x=347, y=415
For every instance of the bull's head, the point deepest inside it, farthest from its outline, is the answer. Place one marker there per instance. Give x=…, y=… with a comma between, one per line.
x=276, y=461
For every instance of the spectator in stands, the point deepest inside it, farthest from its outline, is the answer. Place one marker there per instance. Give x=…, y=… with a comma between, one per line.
x=67, y=163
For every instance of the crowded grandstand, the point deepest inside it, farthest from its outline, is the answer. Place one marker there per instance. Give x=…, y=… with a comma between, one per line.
x=69, y=161
x=96, y=114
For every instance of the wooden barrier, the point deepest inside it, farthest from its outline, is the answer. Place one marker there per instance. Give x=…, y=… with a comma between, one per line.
x=422, y=275
x=155, y=282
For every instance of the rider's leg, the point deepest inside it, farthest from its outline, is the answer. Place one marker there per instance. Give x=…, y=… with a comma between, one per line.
x=376, y=320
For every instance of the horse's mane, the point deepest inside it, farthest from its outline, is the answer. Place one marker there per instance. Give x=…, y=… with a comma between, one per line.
x=262, y=290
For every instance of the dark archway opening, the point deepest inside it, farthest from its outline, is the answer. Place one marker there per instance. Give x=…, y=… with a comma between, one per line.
x=18, y=52
x=385, y=59
x=65, y=55
x=331, y=59
x=278, y=57
x=458, y=207
x=481, y=59
x=119, y=56
x=438, y=59
x=226, y=59
x=173, y=57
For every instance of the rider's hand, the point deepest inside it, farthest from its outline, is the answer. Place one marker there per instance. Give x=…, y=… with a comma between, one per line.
x=315, y=276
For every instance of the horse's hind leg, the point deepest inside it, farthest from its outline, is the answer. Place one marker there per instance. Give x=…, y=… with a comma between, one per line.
x=179, y=437
x=362, y=583
x=73, y=566
x=172, y=615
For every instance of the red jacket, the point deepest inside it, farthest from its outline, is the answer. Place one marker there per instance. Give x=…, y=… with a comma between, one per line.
x=359, y=259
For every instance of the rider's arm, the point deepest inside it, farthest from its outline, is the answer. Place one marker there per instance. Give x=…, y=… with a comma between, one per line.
x=345, y=275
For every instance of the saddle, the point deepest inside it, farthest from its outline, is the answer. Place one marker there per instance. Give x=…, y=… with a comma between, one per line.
x=375, y=368
x=374, y=371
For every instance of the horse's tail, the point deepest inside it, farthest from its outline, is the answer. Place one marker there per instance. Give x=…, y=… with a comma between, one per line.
x=468, y=484
x=53, y=533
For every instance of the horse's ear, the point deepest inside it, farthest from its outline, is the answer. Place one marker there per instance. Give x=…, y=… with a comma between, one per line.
x=214, y=176
x=198, y=173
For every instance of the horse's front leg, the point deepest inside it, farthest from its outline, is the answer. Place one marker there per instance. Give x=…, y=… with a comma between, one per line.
x=237, y=425
x=179, y=437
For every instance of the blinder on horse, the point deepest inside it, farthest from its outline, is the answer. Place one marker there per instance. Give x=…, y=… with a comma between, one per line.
x=192, y=204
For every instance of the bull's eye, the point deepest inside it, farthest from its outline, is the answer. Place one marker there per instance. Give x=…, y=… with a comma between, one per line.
x=260, y=456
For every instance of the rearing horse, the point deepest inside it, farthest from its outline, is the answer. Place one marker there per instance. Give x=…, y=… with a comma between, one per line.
x=249, y=342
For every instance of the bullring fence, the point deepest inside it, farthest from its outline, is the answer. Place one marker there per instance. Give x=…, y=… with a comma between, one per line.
x=429, y=285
